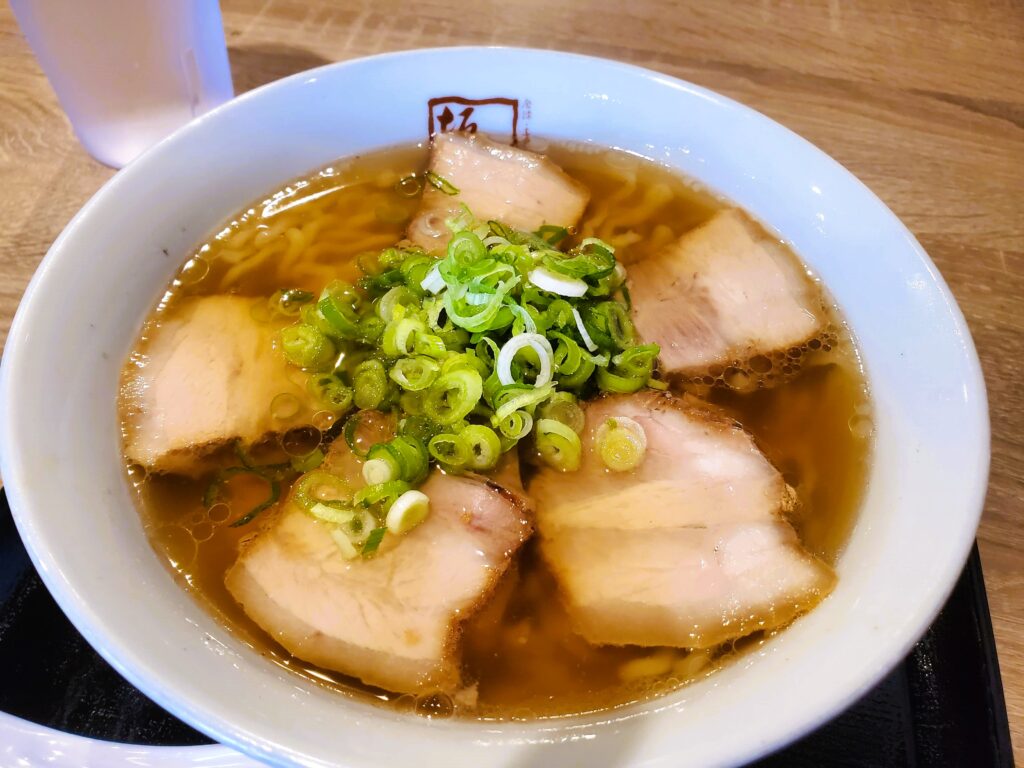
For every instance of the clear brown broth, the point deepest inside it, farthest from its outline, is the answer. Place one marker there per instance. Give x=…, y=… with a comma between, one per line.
x=815, y=427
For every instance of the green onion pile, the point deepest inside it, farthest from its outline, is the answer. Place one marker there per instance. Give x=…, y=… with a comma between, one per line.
x=476, y=351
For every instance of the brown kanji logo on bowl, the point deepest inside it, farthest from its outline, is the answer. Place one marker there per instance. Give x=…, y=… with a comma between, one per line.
x=497, y=116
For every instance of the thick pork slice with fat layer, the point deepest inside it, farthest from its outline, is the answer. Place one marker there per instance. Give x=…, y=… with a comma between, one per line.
x=208, y=375
x=723, y=292
x=496, y=182
x=691, y=549
x=393, y=620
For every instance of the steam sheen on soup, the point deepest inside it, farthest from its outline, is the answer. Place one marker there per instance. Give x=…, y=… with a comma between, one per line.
x=388, y=426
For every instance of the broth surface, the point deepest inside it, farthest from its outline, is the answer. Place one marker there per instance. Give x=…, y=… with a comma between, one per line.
x=815, y=428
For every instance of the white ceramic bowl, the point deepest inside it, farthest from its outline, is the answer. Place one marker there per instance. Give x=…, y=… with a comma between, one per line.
x=80, y=316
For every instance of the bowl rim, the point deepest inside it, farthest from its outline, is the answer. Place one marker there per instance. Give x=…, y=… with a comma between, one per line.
x=25, y=740
x=219, y=725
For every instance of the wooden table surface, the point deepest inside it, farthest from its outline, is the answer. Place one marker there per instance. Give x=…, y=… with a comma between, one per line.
x=924, y=101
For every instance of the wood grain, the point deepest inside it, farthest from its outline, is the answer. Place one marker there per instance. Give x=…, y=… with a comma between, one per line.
x=924, y=101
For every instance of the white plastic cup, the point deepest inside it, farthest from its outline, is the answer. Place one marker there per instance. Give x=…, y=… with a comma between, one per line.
x=129, y=72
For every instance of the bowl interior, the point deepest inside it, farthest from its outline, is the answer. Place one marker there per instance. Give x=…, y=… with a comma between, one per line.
x=60, y=442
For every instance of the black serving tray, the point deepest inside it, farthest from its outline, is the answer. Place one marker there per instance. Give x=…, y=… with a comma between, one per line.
x=943, y=706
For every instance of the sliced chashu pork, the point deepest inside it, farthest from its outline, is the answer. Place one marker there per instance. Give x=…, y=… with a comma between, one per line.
x=208, y=375
x=496, y=182
x=723, y=292
x=691, y=549
x=394, y=620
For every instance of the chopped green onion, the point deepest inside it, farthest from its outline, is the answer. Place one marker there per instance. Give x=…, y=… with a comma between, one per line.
x=290, y=301
x=516, y=425
x=624, y=289
x=464, y=250
x=518, y=257
x=399, y=335
x=484, y=447
x=216, y=487
x=411, y=403
x=534, y=296
x=339, y=318
x=450, y=450
x=579, y=377
x=380, y=493
x=567, y=356
x=413, y=270
x=453, y=396
x=467, y=360
x=480, y=312
x=370, y=330
x=390, y=258
x=330, y=392
x=582, y=328
x=397, y=295
x=609, y=325
x=559, y=314
x=351, y=439
x=637, y=361
x=378, y=285
x=561, y=406
x=517, y=398
x=463, y=220
x=548, y=280
x=335, y=515
x=370, y=383
x=487, y=351
x=338, y=306
x=418, y=427
x=558, y=445
x=503, y=231
x=306, y=347
x=409, y=510
x=613, y=382
x=592, y=259
x=379, y=470
x=405, y=458
x=552, y=235
x=272, y=496
x=369, y=263
x=525, y=320
x=621, y=443
x=373, y=541
x=432, y=282
x=609, y=284
x=358, y=527
x=539, y=344
x=319, y=486
x=430, y=345
x=345, y=546
x=243, y=455
x=413, y=459
x=441, y=183
x=414, y=373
